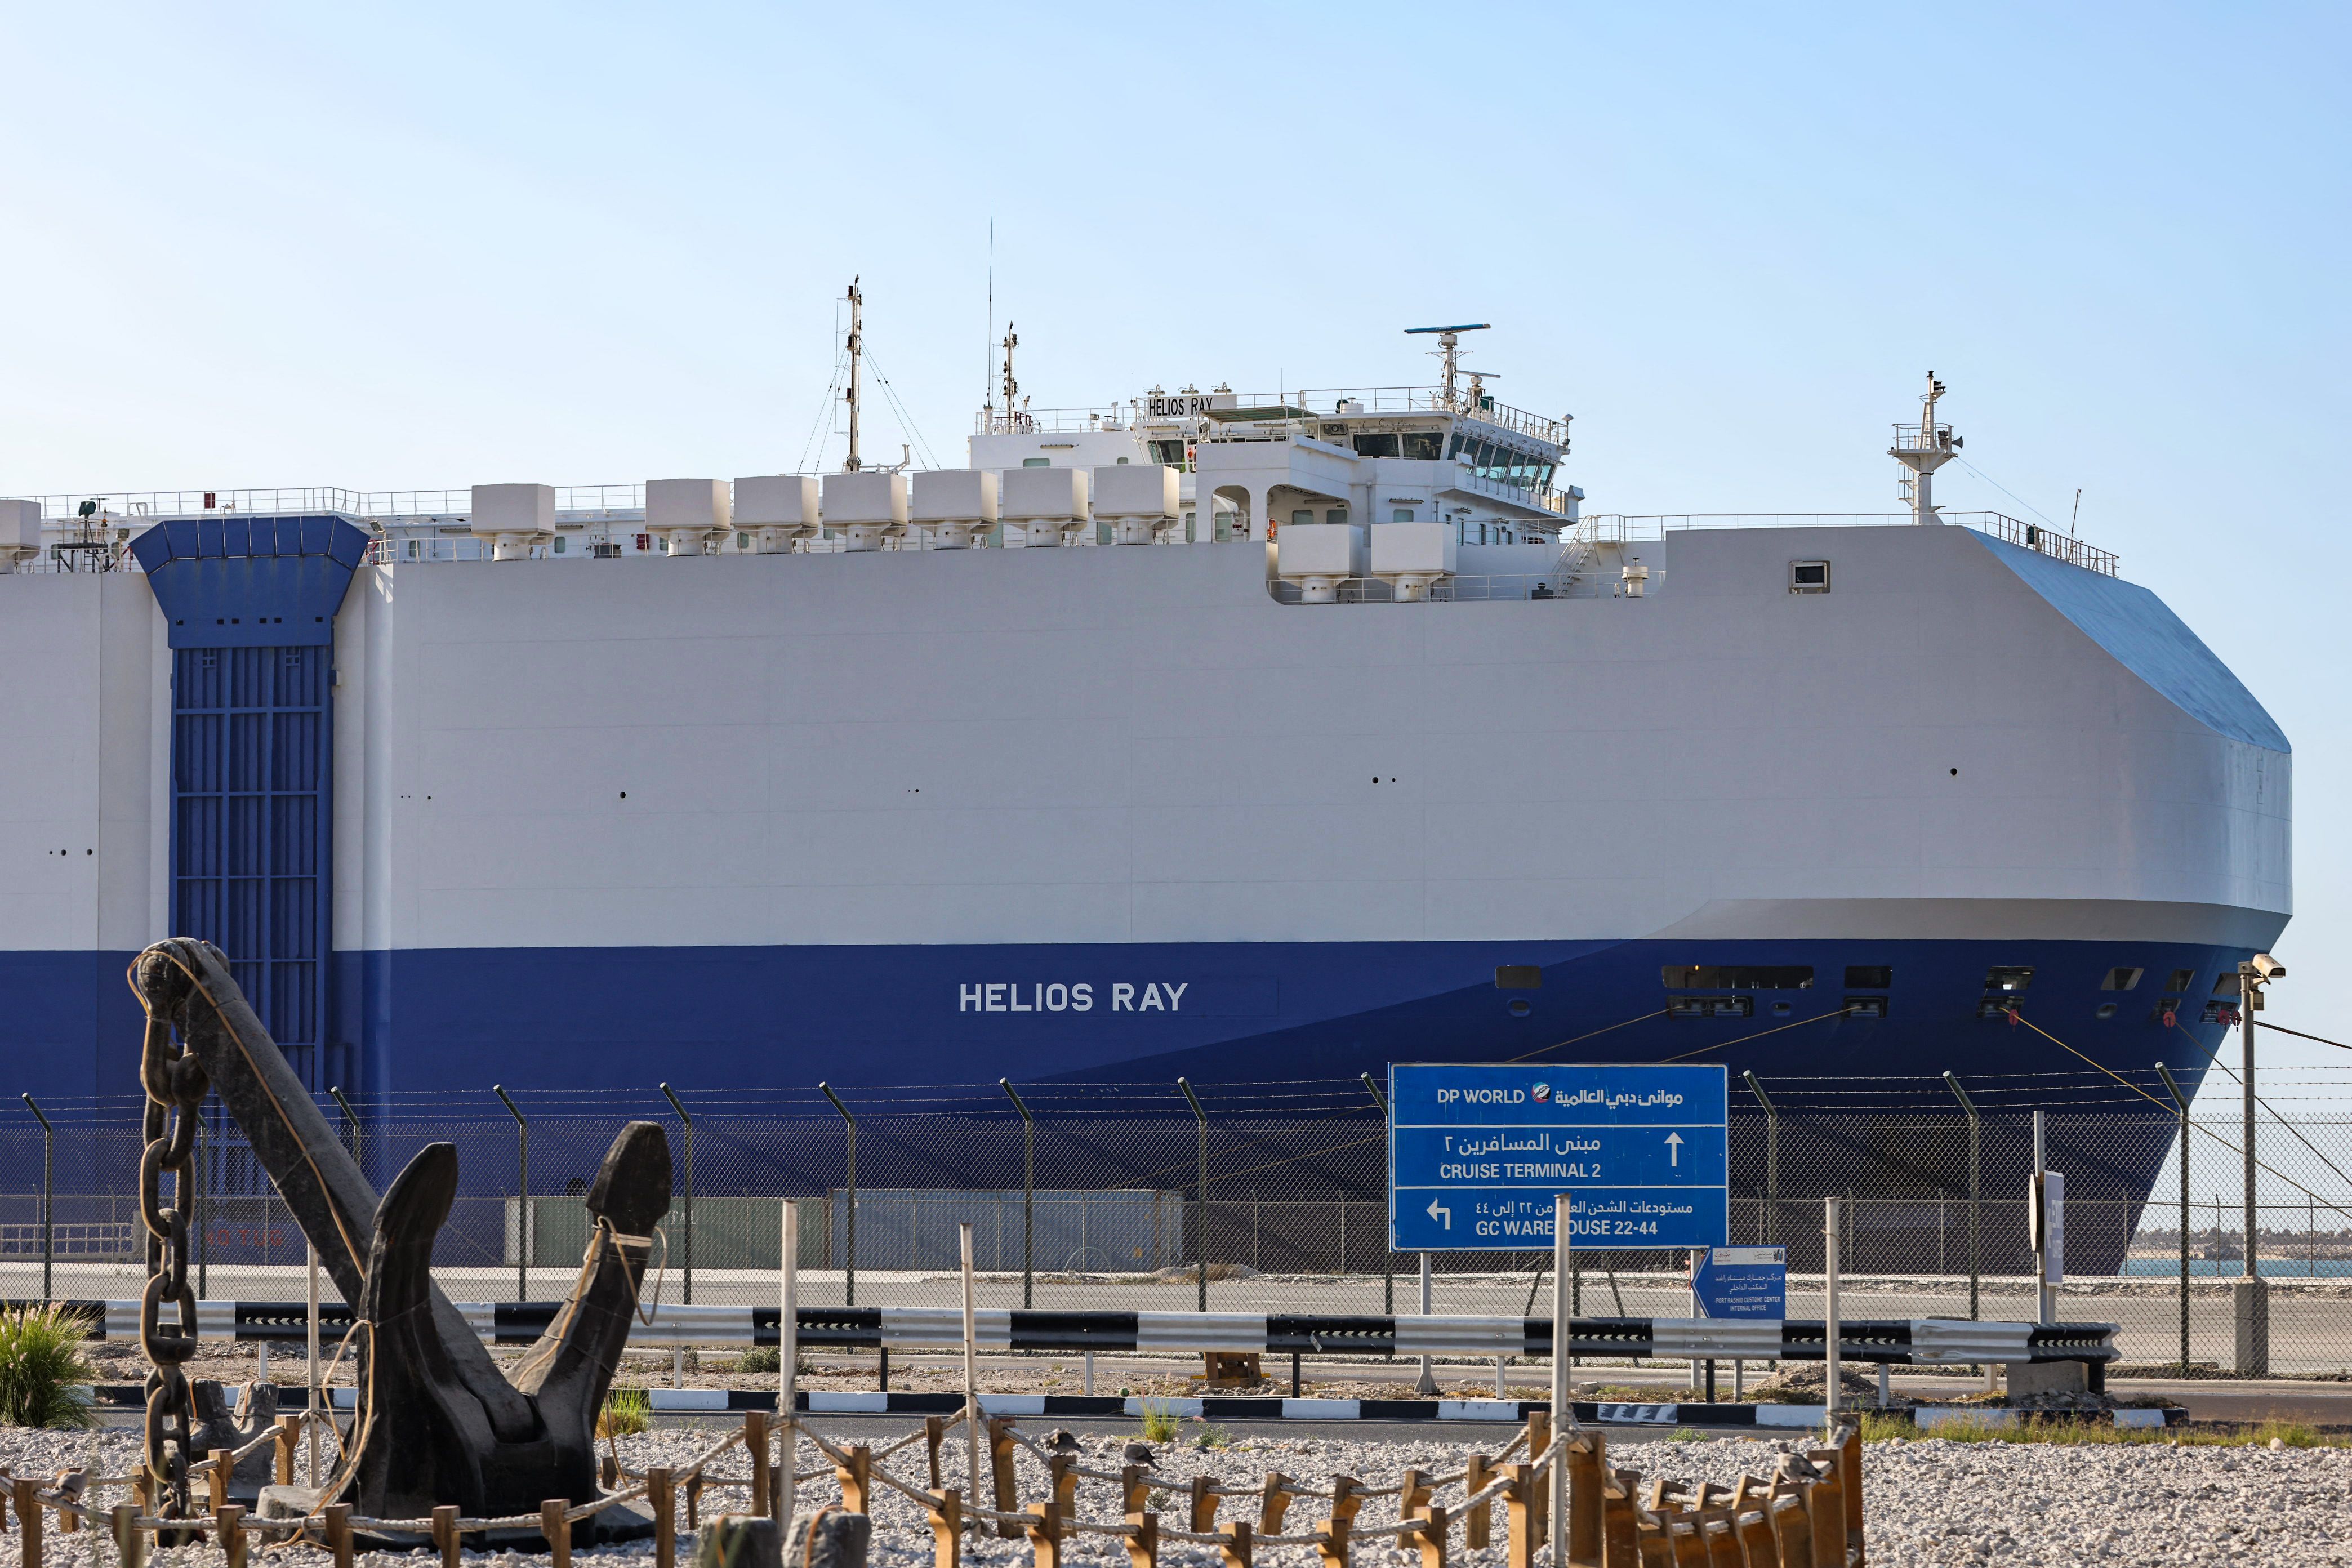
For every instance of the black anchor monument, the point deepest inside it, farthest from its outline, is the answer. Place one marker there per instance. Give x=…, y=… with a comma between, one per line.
x=438, y=1422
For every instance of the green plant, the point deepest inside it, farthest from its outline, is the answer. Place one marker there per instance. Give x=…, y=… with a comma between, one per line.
x=1160, y=1421
x=1213, y=1436
x=42, y=1369
x=627, y=1411
x=759, y=1358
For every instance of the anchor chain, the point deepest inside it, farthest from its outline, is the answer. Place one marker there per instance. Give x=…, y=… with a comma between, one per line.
x=176, y=1083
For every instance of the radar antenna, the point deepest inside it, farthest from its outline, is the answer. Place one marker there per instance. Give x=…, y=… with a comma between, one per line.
x=1449, y=340
x=1012, y=387
x=1922, y=448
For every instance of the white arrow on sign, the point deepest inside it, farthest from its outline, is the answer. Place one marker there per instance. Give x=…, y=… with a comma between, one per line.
x=1444, y=1213
x=1673, y=1150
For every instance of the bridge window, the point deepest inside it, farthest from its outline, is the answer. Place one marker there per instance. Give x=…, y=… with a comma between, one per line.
x=1423, y=446
x=1377, y=444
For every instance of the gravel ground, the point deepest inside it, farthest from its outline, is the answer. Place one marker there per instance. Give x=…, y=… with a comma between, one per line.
x=1930, y=1502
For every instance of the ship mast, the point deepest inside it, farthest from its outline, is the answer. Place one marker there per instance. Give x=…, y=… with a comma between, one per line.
x=857, y=357
x=1922, y=449
x=1449, y=349
x=1012, y=387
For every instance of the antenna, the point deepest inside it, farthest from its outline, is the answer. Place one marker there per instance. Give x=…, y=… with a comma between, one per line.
x=857, y=353
x=1449, y=340
x=2077, y=515
x=988, y=407
x=1012, y=387
x=1924, y=448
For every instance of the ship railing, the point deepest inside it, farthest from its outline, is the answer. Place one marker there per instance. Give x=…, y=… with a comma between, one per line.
x=1564, y=582
x=1612, y=528
x=137, y=508
x=1332, y=402
x=1052, y=421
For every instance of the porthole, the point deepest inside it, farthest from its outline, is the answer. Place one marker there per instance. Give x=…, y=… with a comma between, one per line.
x=1519, y=1008
x=2106, y=1009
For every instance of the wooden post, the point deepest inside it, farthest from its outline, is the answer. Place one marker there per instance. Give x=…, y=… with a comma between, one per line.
x=947, y=1528
x=216, y=1478
x=788, y=1359
x=1062, y=1485
x=934, y=1430
x=1585, y=1458
x=1333, y=1549
x=1825, y=1509
x=608, y=1472
x=1044, y=1529
x=338, y=1535
x=445, y=1534
x=1201, y=1517
x=1134, y=1491
x=1143, y=1539
x=1346, y=1497
x=558, y=1530
x=1792, y=1532
x=28, y=1520
x=1000, y=1464
x=70, y=1489
x=693, y=1501
x=1478, y=1523
x=661, y=1494
x=856, y=1480
x=230, y=1517
x=1689, y=1545
x=1432, y=1536
x=1753, y=1530
x=1413, y=1494
x=1277, y=1498
x=289, y=1427
x=1518, y=1501
x=1539, y=1440
x=128, y=1541
x=1235, y=1550
x=1620, y=1524
x=755, y=1445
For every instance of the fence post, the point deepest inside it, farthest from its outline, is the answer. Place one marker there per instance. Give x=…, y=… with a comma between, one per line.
x=849, y=1220
x=1830, y=1217
x=1028, y=1195
x=1772, y=1225
x=522, y=1202
x=1387, y=1252
x=2181, y=1100
x=1975, y=1182
x=687, y=1124
x=1201, y=1224
x=48, y=1212
x=204, y=1181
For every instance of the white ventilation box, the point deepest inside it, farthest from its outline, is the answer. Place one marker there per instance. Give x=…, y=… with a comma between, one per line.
x=956, y=503
x=513, y=518
x=869, y=506
x=1138, y=500
x=20, y=532
x=684, y=513
x=777, y=508
x=1410, y=556
x=1046, y=502
x=1318, y=557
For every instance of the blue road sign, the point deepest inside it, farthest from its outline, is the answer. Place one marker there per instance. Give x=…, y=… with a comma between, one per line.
x=1477, y=1153
x=1741, y=1282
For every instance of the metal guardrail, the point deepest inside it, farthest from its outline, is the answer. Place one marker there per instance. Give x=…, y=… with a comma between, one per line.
x=1614, y=528
x=1899, y=1342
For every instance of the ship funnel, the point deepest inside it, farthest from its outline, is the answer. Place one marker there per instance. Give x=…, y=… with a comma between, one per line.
x=1922, y=446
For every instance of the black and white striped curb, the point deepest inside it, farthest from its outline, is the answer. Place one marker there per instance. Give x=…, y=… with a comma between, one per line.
x=1926, y=1341
x=1242, y=1407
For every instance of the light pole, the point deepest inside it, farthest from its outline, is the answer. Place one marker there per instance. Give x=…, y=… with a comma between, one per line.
x=1976, y=1182
x=1388, y=1249
x=2253, y=1314
x=849, y=1220
x=2181, y=1100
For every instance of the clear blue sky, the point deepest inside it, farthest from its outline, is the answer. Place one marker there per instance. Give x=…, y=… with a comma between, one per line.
x=428, y=245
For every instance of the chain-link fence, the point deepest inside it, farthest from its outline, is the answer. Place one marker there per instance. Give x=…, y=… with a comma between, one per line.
x=1274, y=1201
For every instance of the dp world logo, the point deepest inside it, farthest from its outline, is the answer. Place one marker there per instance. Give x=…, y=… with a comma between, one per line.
x=1541, y=1091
